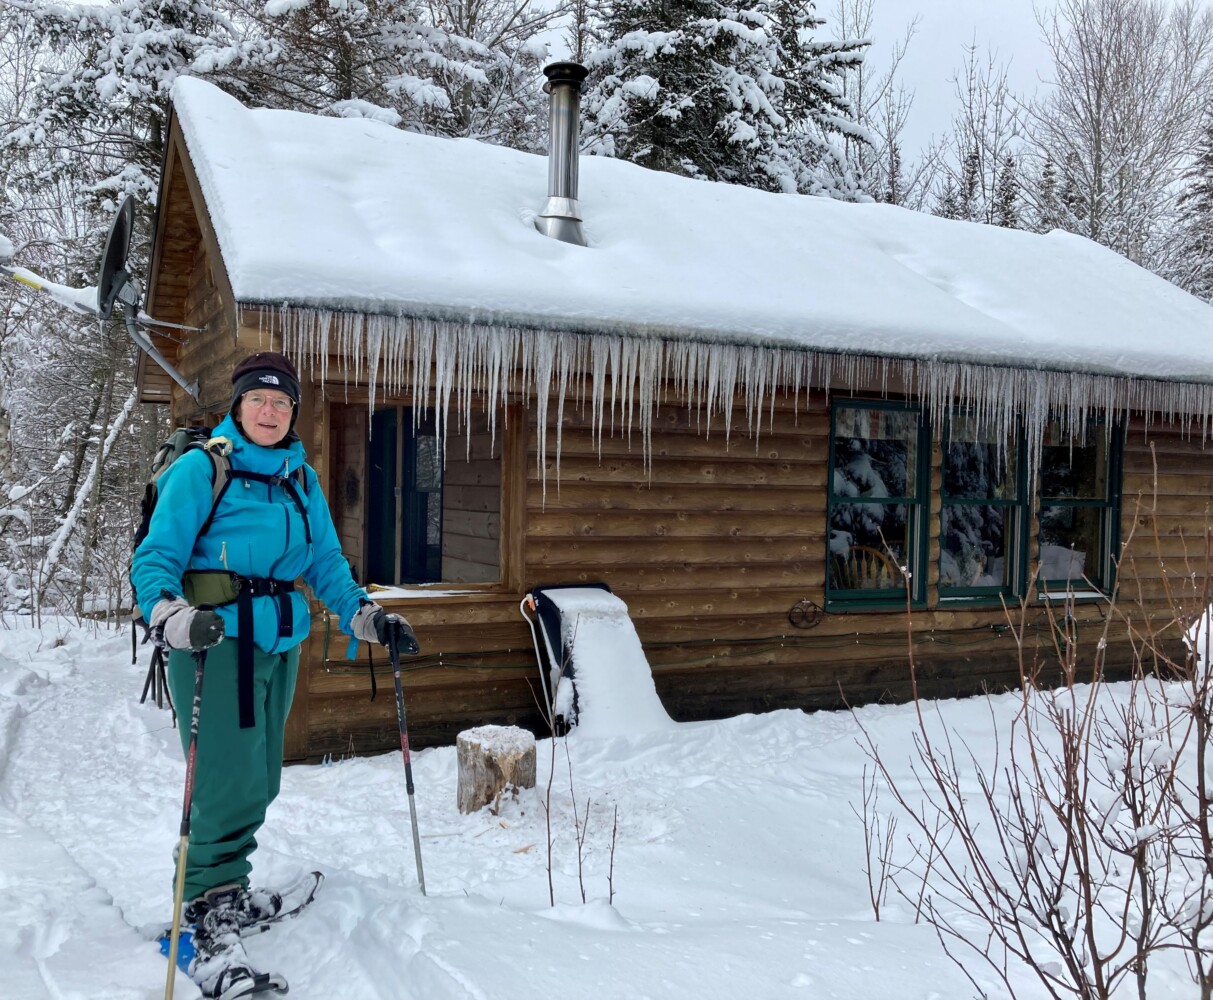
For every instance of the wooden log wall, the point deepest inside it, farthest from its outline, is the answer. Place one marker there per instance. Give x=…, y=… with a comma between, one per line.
x=471, y=507
x=712, y=548
x=1166, y=519
x=190, y=287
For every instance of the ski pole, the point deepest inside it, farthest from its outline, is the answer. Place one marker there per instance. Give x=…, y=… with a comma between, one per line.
x=191, y=758
x=394, y=651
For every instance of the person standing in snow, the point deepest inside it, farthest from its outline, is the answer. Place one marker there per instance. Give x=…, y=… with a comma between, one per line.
x=224, y=582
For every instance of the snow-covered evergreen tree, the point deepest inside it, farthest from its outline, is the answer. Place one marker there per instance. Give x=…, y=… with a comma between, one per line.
x=1195, y=272
x=486, y=58
x=737, y=93
x=447, y=68
x=969, y=188
x=1047, y=209
x=99, y=115
x=1006, y=195
x=949, y=204
x=894, y=191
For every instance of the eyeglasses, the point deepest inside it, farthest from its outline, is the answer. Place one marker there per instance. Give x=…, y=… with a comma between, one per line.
x=258, y=399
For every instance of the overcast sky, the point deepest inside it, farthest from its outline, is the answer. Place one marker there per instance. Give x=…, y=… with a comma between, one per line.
x=937, y=51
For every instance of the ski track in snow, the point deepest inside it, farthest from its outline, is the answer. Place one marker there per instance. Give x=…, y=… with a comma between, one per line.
x=737, y=869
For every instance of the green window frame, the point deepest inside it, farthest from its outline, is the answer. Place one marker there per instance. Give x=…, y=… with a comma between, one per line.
x=879, y=499
x=1078, y=518
x=984, y=513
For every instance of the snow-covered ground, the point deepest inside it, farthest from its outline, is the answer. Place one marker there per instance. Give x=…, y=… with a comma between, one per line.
x=738, y=869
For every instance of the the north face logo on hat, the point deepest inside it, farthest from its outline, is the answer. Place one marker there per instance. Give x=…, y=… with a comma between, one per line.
x=270, y=379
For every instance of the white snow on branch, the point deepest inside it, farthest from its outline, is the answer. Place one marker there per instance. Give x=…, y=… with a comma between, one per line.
x=280, y=8
x=365, y=109
x=86, y=488
x=81, y=300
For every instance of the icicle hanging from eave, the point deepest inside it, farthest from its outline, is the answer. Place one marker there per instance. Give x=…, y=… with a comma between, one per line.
x=451, y=360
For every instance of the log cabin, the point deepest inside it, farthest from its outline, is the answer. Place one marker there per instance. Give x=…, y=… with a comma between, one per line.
x=808, y=443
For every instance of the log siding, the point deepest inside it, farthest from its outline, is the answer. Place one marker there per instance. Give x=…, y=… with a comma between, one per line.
x=718, y=546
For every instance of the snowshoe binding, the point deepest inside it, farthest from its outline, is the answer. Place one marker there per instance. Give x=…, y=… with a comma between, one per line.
x=238, y=982
x=260, y=910
x=220, y=966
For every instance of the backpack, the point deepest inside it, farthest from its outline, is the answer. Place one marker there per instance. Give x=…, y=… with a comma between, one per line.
x=183, y=439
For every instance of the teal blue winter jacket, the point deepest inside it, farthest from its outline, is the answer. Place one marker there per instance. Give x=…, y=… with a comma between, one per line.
x=257, y=531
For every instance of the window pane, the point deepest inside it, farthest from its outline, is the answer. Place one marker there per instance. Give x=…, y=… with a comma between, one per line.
x=1074, y=467
x=429, y=464
x=973, y=547
x=875, y=452
x=433, y=518
x=1070, y=544
x=858, y=556
x=978, y=465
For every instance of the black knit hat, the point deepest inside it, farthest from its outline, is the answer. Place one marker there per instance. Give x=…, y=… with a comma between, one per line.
x=266, y=370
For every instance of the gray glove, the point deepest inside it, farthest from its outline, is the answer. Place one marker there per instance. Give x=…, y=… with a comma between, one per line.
x=373, y=624
x=186, y=627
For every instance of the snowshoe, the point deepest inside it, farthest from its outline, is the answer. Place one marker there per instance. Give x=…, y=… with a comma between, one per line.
x=255, y=910
x=268, y=907
x=221, y=967
x=259, y=910
x=237, y=983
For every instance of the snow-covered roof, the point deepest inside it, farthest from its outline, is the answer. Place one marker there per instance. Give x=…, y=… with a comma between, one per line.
x=351, y=215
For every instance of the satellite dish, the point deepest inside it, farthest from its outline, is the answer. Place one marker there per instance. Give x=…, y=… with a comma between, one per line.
x=113, y=274
x=114, y=287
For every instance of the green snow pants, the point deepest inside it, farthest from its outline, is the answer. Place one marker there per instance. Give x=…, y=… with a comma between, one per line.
x=238, y=771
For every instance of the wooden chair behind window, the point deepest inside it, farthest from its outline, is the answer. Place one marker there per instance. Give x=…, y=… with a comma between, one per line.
x=864, y=568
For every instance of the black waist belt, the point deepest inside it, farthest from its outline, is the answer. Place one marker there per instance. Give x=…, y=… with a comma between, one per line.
x=250, y=587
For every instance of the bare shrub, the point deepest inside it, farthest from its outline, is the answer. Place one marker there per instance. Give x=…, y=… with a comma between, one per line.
x=1083, y=851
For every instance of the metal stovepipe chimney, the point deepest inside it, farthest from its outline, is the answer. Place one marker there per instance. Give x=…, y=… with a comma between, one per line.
x=561, y=216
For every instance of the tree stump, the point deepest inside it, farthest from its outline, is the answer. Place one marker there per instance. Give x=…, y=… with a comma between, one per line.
x=492, y=760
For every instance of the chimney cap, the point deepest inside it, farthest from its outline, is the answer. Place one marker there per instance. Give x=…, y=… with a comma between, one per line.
x=565, y=72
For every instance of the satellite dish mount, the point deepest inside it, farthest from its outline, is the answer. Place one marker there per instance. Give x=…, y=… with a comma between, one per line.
x=116, y=287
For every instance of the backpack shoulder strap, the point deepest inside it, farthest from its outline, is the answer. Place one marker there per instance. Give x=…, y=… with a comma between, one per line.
x=304, y=477
x=221, y=478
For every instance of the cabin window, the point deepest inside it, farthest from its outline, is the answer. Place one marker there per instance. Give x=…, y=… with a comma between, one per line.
x=1078, y=523
x=412, y=505
x=983, y=510
x=877, y=509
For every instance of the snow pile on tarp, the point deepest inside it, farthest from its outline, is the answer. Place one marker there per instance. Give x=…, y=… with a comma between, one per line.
x=613, y=680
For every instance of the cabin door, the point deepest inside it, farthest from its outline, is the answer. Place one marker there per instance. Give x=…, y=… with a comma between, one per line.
x=405, y=493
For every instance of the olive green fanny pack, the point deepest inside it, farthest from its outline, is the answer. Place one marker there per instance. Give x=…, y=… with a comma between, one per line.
x=210, y=587
x=215, y=587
